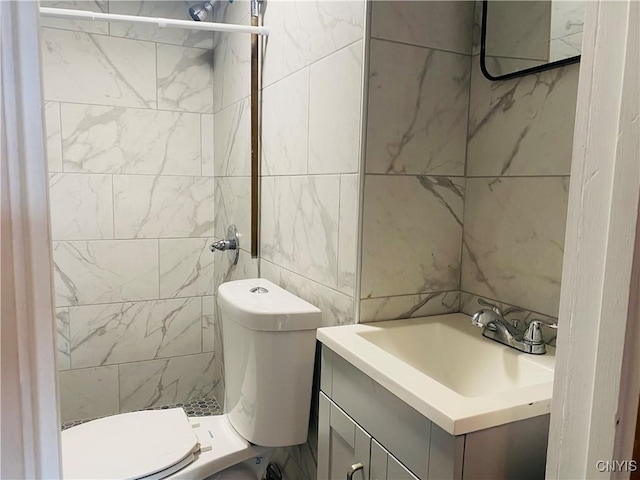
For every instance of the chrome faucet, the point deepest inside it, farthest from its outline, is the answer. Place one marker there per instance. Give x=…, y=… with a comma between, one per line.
x=496, y=327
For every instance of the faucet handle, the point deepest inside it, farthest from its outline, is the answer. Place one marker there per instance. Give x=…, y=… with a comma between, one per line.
x=492, y=306
x=533, y=334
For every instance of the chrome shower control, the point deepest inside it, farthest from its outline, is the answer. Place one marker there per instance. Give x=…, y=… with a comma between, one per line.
x=231, y=244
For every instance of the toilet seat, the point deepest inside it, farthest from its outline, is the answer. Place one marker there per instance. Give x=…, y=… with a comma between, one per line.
x=129, y=446
x=153, y=445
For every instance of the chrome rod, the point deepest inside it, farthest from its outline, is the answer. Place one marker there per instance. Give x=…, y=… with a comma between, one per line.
x=160, y=22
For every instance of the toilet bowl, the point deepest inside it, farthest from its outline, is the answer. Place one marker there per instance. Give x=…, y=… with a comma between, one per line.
x=269, y=349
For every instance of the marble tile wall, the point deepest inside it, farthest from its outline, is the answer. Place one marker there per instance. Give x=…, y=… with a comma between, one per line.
x=130, y=115
x=311, y=143
x=466, y=179
x=416, y=127
x=520, y=138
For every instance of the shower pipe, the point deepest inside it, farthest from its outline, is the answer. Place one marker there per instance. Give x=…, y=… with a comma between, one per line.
x=255, y=130
x=160, y=22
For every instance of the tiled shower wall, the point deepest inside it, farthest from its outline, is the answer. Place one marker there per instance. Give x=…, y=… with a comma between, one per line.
x=311, y=112
x=129, y=112
x=466, y=179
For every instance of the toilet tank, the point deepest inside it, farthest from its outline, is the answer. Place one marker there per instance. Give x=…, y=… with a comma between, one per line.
x=269, y=338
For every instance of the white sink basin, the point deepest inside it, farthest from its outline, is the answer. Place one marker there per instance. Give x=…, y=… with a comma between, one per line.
x=443, y=367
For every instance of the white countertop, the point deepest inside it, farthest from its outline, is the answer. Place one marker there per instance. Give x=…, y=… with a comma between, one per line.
x=444, y=368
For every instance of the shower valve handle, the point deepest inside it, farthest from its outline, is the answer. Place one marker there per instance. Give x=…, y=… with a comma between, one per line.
x=224, y=245
x=231, y=244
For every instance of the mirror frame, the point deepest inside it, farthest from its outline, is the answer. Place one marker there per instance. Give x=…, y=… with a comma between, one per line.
x=519, y=73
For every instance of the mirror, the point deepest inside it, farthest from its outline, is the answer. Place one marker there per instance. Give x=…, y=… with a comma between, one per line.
x=521, y=37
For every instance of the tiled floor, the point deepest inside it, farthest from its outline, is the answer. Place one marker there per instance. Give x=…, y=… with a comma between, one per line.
x=202, y=407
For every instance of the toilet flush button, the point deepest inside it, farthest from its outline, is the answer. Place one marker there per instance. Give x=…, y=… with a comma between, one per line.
x=259, y=290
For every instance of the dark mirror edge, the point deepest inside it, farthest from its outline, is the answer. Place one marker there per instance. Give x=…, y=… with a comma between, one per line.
x=519, y=73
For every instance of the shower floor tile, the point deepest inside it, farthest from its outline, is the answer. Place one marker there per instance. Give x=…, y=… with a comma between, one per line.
x=202, y=407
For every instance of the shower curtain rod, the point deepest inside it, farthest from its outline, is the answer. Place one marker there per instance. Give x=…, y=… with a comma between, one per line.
x=160, y=22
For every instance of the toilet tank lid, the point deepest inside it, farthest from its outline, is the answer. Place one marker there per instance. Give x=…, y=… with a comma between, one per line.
x=259, y=304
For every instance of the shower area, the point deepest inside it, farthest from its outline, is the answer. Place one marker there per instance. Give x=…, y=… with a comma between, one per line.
x=148, y=140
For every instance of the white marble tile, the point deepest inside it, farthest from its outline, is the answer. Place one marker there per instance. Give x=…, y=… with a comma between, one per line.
x=299, y=228
x=127, y=332
x=85, y=68
x=566, y=47
x=208, y=324
x=178, y=10
x=89, y=26
x=185, y=79
x=514, y=240
x=303, y=456
x=287, y=464
x=219, y=52
x=206, y=145
x=285, y=126
x=272, y=54
x=314, y=29
x=477, y=27
x=567, y=24
x=63, y=339
x=225, y=271
x=233, y=12
x=81, y=206
x=232, y=140
x=418, y=107
x=161, y=207
x=105, y=271
x=567, y=18
x=337, y=308
x=409, y=306
x=236, y=79
x=519, y=29
x=54, y=139
x=443, y=25
x=186, y=267
x=335, y=110
x=233, y=207
x=130, y=140
x=349, y=219
x=88, y=393
x=412, y=230
x=522, y=126
x=162, y=382
x=231, y=56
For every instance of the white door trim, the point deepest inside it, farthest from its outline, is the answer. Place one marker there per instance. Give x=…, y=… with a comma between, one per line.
x=599, y=249
x=29, y=407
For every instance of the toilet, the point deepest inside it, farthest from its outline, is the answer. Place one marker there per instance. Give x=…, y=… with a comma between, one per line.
x=269, y=350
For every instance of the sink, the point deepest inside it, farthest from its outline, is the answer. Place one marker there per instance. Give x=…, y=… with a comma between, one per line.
x=453, y=354
x=443, y=367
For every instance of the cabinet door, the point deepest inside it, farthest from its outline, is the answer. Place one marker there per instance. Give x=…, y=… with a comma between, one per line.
x=385, y=466
x=341, y=444
x=397, y=471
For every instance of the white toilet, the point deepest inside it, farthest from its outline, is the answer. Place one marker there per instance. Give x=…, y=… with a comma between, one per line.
x=269, y=349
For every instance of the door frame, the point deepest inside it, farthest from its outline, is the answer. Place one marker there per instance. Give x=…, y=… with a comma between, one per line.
x=597, y=361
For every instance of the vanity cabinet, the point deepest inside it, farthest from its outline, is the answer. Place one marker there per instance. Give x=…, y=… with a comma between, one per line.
x=342, y=441
x=361, y=421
